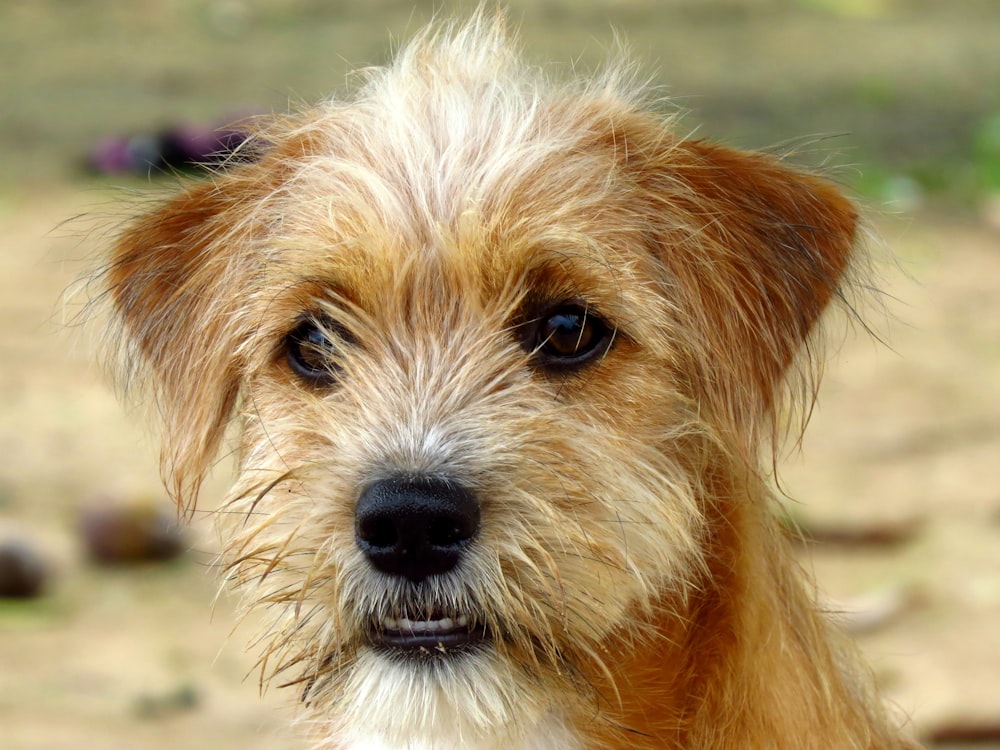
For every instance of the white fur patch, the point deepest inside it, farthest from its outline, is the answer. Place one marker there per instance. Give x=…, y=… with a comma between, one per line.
x=474, y=702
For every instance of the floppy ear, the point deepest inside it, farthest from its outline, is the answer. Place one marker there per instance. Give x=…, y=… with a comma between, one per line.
x=175, y=280
x=755, y=250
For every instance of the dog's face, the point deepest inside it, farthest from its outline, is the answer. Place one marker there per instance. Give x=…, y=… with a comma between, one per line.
x=491, y=344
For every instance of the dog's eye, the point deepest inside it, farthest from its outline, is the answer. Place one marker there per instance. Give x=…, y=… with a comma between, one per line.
x=311, y=348
x=569, y=336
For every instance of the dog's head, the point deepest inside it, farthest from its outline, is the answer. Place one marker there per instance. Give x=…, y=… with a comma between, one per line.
x=493, y=344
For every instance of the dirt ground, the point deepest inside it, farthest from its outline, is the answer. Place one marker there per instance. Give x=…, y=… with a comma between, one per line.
x=905, y=438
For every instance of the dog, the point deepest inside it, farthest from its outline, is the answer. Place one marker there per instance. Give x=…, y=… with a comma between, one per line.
x=505, y=357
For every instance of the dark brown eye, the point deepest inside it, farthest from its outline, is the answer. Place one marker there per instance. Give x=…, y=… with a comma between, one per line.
x=569, y=336
x=311, y=348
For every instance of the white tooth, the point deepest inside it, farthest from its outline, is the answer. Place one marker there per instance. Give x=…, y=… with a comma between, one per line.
x=419, y=627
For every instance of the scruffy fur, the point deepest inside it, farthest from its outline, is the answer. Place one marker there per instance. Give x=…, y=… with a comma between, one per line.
x=627, y=565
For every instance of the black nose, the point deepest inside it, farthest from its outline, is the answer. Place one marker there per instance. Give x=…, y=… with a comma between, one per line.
x=415, y=527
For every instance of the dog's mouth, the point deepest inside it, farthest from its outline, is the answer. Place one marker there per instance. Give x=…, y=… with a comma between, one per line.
x=433, y=634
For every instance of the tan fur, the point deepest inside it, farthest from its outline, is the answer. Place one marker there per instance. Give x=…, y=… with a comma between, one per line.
x=628, y=566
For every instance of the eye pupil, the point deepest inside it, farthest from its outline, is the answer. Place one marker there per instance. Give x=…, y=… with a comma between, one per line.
x=569, y=336
x=310, y=351
x=566, y=334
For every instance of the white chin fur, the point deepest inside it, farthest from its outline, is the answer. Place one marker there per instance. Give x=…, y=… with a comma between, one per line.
x=475, y=702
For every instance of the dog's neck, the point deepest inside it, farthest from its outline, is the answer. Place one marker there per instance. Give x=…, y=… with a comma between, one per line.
x=699, y=683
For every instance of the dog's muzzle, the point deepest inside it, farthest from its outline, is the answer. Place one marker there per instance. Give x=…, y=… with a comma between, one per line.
x=416, y=528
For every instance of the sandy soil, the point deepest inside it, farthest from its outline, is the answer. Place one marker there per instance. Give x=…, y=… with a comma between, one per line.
x=904, y=433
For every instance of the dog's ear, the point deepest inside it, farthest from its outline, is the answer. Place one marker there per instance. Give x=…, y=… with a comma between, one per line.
x=755, y=251
x=174, y=279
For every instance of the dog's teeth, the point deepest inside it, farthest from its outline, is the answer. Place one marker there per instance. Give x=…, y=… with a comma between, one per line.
x=442, y=625
x=423, y=626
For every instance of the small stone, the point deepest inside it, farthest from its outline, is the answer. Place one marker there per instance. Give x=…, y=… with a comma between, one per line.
x=118, y=533
x=23, y=571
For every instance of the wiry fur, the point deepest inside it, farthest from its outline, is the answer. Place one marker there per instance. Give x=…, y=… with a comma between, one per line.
x=638, y=587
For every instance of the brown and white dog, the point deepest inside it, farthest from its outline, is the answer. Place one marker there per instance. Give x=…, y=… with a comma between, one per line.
x=506, y=356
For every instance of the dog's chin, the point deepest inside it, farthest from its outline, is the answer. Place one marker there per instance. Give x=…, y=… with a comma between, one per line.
x=415, y=697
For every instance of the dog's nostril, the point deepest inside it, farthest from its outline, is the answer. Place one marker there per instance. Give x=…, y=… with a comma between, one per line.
x=378, y=531
x=446, y=531
x=415, y=527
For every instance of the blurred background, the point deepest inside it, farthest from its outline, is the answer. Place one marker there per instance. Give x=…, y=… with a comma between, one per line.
x=108, y=635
